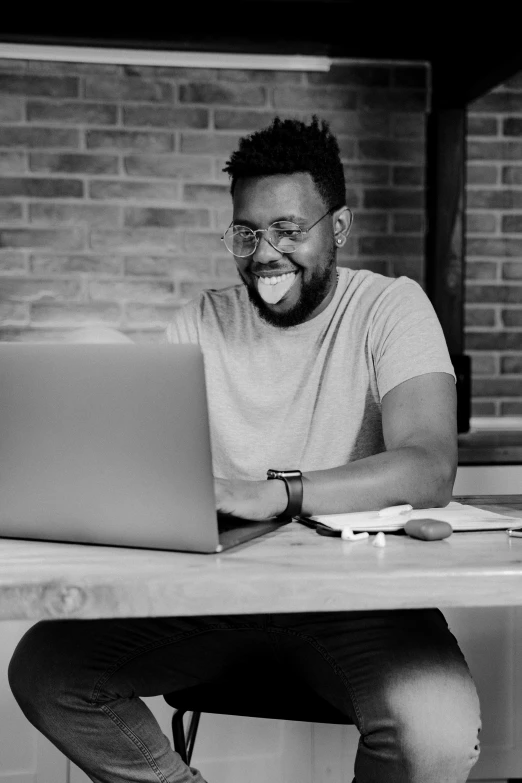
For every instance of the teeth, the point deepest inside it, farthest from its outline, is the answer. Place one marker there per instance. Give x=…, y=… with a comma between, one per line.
x=275, y=279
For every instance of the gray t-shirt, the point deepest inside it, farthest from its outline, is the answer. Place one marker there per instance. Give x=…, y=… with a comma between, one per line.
x=309, y=396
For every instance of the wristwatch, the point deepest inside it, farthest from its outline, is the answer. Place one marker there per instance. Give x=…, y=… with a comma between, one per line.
x=294, y=487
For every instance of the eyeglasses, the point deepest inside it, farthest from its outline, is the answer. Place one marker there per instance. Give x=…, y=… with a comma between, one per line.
x=284, y=236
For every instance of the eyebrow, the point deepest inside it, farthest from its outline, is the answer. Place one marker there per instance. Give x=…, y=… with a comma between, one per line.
x=287, y=218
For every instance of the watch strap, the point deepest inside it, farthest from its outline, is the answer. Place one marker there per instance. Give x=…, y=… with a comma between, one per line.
x=294, y=489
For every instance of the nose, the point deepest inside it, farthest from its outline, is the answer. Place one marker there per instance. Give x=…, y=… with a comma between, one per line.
x=265, y=252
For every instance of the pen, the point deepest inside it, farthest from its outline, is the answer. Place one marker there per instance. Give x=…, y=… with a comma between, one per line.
x=514, y=533
x=392, y=511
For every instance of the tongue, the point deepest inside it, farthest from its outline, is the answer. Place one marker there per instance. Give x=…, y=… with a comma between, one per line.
x=273, y=293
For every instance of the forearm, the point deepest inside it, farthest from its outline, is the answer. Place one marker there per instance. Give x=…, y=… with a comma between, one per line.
x=410, y=474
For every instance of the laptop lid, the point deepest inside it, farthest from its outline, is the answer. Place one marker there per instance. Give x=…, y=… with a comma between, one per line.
x=106, y=444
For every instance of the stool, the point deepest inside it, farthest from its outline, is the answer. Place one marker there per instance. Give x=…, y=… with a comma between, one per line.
x=249, y=698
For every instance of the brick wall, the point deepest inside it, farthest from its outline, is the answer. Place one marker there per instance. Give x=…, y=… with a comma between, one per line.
x=112, y=197
x=494, y=251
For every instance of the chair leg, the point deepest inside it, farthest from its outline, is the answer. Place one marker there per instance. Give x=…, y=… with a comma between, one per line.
x=184, y=744
x=178, y=735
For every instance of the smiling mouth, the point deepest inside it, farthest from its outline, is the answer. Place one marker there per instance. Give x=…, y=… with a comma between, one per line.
x=275, y=279
x=272, y=288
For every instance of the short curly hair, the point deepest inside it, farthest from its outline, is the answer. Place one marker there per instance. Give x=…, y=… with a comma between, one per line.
x=291, y=146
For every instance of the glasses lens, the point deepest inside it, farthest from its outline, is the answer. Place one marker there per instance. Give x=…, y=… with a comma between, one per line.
x=285, y=236
x=240, y=240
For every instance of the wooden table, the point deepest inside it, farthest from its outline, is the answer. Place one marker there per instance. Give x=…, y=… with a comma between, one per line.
x=291, y=570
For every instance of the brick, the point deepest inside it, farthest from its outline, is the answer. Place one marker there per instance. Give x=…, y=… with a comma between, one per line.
x=55, y=238
x=36, y=289
x=11, y=109
x=511, y=365
x=129, y=141
x=208, y=143
x=481, y=223
x=482, y=175
x=165, y=117
x=371, y=223
x=172, y=73
x=136, y=239
x=12, y=262
x=222, y=94
x=408, y=125
x=73, y=163
x=482, y=125
x=210, y=195
x=391, y=150
x=253, y=76
x=392, y=100
x=167, y=266
x=511, y=224
x=42, y=264
x=14, y=313
x=506, y=247
x=353, y=75
x=494, y=294
x=408, y=175
x=12, y=163
x=73, y=214
x=512, y=317
x=481, y=270
x=22, y=136
x=197, y=243
x=10, y=211
x=494, y=150
x=67, y=68
x=40, y=187
x=493, y=199
x=79, y=313
x=408, y=223
x=138, y=217
x=68, y=113
x=62, y=87
x=497, y=387
x=483, y=364
x=511, y=408
x=129, y=88
x=236, y=119
x=149, y=314
x=310, y=98
x=481, y=408
x=479, y=316
x=391, y=198
x=7, y=65
x=512, y=126
x=512, y=175
x=131, y=290
x=498, y=102
x=390, y=246
x=367, y=174
x=188, y=167
x=494, y=341
x=512, y=270
x=120, y=190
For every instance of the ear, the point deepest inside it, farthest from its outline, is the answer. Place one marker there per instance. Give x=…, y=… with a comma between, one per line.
x=342, y=220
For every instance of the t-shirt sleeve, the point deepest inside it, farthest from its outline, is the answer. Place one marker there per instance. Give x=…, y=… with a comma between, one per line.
x=184, y=325
x=406, y=336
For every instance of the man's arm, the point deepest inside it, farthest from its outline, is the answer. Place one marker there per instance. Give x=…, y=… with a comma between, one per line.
x=419, y=421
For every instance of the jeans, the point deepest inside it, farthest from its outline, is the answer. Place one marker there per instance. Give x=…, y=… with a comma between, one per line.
x=399, y=675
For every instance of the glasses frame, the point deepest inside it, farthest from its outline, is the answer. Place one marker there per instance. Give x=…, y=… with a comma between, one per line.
x=264, y=231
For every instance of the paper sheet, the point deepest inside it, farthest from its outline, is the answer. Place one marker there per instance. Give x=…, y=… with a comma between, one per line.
x=460, y=516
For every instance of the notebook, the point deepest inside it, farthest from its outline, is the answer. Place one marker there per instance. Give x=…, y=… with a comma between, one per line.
x=110, y=444
x=459, y=515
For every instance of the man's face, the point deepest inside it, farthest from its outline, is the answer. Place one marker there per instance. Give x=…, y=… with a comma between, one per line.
x=261, y=201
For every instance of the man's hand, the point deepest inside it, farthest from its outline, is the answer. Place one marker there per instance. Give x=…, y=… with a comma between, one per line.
x=251, y=499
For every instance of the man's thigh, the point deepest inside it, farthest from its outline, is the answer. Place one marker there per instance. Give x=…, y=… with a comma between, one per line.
x=358, y=661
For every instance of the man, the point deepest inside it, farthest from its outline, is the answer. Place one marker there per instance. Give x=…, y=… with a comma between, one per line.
x=345, y=377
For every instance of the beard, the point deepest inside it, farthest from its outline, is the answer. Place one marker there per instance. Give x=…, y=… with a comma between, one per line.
x=313, y=292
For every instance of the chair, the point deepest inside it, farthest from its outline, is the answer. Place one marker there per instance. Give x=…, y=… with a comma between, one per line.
x=250, y=698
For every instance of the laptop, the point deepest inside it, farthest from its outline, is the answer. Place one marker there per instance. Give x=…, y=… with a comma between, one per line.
x=110, y=444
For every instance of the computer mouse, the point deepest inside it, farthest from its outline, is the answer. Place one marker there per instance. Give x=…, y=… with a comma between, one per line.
x=428, y=529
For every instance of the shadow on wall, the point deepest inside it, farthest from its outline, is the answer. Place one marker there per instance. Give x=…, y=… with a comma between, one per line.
x=97, y=334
